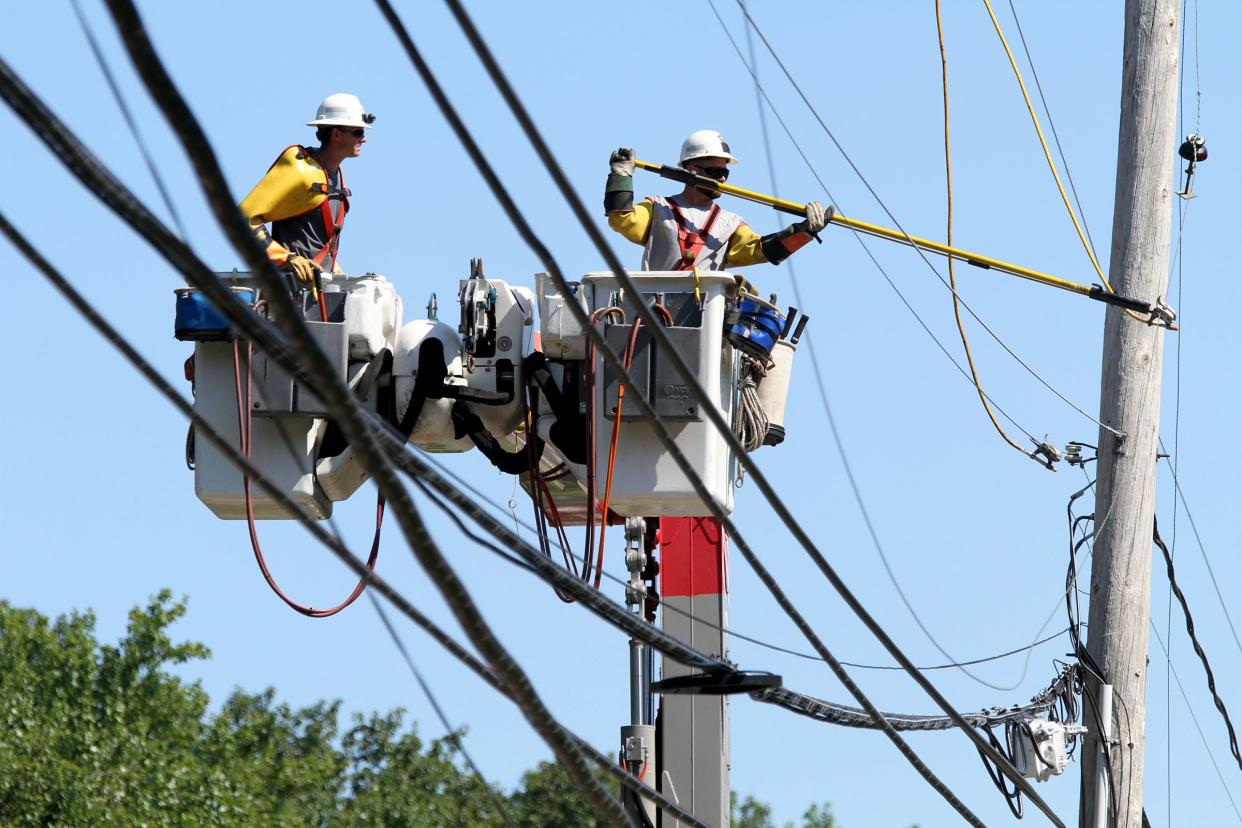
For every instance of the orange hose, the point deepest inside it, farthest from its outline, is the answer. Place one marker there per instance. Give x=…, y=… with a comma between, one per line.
x=627, y=359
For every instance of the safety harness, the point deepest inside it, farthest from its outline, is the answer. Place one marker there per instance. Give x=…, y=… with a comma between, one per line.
x=331, y=228
x=689, y=240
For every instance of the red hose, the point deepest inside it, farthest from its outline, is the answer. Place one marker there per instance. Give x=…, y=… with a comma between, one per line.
x=243, y=426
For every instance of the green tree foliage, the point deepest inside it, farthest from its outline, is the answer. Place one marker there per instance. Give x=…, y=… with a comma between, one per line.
x=94, y=734
x=751, y=813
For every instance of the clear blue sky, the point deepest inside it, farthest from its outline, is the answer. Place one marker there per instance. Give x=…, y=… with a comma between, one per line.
x=99, y=511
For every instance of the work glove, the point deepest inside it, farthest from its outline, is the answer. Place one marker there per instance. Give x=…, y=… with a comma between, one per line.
x=302, y=268
x=817, y=217
x=622, y=161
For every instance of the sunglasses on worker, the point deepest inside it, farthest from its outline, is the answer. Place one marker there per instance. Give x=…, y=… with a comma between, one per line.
x=357, y=133
x=718, y=173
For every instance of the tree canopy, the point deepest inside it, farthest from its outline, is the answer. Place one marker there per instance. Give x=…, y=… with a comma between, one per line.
x=100, y=734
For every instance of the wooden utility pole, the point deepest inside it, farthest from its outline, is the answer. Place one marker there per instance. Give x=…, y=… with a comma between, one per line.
x=1130, y=403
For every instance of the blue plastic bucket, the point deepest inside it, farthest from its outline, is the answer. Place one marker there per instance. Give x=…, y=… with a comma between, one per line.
x=199, y=321
x=758, y=326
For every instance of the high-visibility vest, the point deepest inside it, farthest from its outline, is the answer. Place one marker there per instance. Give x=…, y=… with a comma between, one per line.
x=676, y=242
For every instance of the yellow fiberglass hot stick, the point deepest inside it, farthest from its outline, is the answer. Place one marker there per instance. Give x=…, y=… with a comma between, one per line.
x=1159, y=314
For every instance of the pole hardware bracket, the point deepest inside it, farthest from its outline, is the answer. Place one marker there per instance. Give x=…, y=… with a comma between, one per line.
x=1073, y=453
x=1157, y=313
x=1162, y=315
x=718, y=684
x=1047, y=451
x=1193, y=150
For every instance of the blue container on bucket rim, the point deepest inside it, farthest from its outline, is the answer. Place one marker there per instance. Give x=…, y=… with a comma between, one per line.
x=758, y=326
x=199, y=321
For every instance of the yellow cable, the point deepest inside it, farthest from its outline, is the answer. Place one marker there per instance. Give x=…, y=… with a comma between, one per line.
x=1086, y=245
x=948, y=180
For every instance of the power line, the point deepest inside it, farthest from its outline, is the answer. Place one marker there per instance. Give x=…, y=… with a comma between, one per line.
x=583, y=216
x=730, y=631
x=1039, y=87
x=840, y=714
x=344, y=408
x=610, y=357
x=1190, y=709
x=858, y=237
x=1194, y=641
x=819, y=709
x=957, y=304
x=333, y=543
x=101, y=183
x=761, y=96
x=452, y=734
x=209, y=432
x=858, y=172
x=1202, y=549
x=129, y=120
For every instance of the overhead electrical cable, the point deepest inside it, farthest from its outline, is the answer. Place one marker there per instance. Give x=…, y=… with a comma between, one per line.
x=1194, y=528
x=840, y=714
x=333, y=543
x=1202, y=737
x=730, y=631
x=1052, y=126
x=750, y=63
x=452, y=735
x=614, y=362
x=833, y=712
x=1194, y=642
x=131, y=205
x=1183, y=206
x=344, y=408
x=113, y=194
x=1052, y=167
x=143, y=150
x=695, y=387
x=957, y=305
x=875, y=195
x=102, y=184
x=858, y=237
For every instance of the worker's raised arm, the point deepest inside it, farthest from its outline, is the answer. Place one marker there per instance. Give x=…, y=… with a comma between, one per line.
x=746, y=247
x=630, y=220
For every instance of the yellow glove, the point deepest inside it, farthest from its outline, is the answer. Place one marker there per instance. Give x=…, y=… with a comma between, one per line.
x=302, y=268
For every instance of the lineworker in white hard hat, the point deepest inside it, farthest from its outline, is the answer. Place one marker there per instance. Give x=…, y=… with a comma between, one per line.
x=303, y=195
x=688, y=230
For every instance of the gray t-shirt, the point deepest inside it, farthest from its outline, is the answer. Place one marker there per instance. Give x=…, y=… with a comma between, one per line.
x=305, y=234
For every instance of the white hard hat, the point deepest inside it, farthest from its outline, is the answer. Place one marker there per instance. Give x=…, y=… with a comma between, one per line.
x=706, y=143
x=344, y=110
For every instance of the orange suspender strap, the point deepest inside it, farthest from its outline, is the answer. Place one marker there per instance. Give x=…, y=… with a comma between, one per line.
x=332, y=229
x=691, y=241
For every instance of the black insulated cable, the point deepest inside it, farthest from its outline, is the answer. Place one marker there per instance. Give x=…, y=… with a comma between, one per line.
x=610, y=356
x=143, y=149
x=1194, y=641
x=355, y=564
x=583, y=215
x=614, y=362
x=344, y=408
